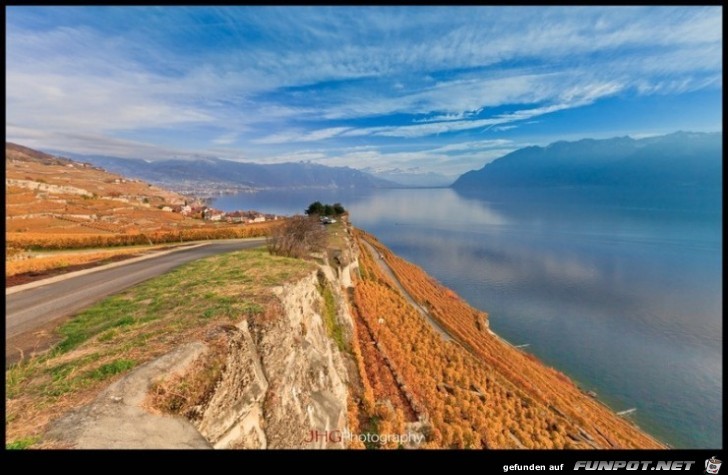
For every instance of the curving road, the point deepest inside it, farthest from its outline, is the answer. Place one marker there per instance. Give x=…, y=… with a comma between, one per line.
x=30, y=309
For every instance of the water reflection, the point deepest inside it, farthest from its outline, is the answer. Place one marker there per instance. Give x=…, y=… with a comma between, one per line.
x=431, y=207
x=625, y=295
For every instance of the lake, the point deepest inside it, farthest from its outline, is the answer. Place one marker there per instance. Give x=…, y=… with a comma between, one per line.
x=622, y=294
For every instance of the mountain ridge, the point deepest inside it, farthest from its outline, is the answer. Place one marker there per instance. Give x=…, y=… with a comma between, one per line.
x=677, y=159
x=216, y=172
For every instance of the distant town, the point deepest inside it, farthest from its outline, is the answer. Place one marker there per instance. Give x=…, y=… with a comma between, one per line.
x=211, y=214
x=206, y=189
x=196, y=206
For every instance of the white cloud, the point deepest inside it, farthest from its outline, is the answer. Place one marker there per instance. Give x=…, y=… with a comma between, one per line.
x=249, y=77
x=90, y=144
x=297, y=156
x=227, y=139
x=286, y=137
x=574, y=97
x=447, y=117
x=450, y=160
x=474, y=145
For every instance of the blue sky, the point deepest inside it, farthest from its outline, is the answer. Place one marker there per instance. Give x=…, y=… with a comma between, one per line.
x=422, y=89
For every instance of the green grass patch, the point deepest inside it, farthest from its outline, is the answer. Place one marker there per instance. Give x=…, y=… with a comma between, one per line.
x=21, y=444
x=110, y=369
x=202, y=280
x=126, y=330
x=333, y=328
x=108, y=335
x=109, y=313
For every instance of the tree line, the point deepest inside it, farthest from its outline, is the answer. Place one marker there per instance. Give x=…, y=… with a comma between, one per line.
x=319, y=209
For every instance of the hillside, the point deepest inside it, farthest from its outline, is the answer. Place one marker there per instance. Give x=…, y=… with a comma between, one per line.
x=48, y=194
x=476, y=389
x=215, y=174
x=684, y=160
x=275, y=349
x=55, y=202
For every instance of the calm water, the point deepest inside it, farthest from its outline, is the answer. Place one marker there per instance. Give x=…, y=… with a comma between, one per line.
x=625, y=295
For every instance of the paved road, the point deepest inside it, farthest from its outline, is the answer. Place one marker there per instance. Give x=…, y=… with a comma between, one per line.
x=33, y=308
x=390, y=273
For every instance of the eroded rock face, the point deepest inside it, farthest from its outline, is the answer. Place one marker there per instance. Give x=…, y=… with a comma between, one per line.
x=306, y=371
x=284, y=381
x=234, y=414
x=285, y=384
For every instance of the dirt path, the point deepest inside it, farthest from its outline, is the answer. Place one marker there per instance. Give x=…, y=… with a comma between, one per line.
x=388, y=271
x=117, y=418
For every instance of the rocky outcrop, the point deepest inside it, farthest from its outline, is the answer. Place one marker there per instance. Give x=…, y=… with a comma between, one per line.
x=234, y=414
x=285, y=382
x=306, y=370
x=481, y=322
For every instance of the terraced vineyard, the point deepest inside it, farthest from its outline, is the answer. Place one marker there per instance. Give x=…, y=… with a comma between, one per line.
x=56, y=203
x=476, y=391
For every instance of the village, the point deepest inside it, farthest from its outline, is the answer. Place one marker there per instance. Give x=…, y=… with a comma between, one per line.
x=211, y=214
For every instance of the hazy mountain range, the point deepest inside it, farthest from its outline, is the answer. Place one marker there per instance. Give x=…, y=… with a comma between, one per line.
x=214, y=172
x=412, y=177
x=681, y=159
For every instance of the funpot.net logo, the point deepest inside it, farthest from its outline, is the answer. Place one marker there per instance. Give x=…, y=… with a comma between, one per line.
x=634, y=465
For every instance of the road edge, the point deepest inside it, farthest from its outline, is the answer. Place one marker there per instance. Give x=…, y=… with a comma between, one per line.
x=70, y=275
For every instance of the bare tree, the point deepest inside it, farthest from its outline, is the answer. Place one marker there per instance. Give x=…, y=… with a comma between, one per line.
x=297, y=237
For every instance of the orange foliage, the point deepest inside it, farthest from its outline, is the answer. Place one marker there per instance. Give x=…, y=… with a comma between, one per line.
x=77, y=241
x=40, y=264
x=478, y=390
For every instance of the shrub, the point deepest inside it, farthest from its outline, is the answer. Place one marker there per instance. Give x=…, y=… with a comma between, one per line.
x=297, y=237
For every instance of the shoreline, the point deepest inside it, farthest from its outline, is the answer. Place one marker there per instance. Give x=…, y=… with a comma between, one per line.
x=510, y=345
x=594, y=397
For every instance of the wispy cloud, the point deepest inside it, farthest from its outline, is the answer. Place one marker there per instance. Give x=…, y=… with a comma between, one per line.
x=574, y=97
x=449, y=160
x=454, y=116
x=474, y=146
x=316, y=135
x=263, y=81
x=92, y=144
x=227, y=139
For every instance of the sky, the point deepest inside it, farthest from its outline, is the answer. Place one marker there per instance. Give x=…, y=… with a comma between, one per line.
x=415, y=89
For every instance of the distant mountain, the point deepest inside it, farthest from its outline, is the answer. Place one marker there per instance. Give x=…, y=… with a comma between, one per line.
x=681, y=159
x=213, y=172
x=410, y=177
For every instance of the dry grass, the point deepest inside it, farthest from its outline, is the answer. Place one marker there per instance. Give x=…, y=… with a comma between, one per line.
x=144, y=322
x=65, y=240
x=186, y=393
x=45, y=263
x=337, y=234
